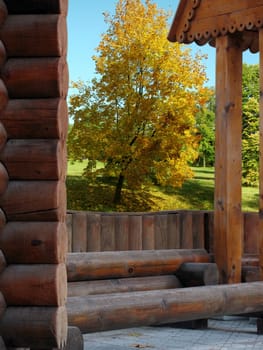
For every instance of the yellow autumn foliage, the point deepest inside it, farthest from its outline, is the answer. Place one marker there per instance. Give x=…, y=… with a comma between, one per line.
x=137, y=116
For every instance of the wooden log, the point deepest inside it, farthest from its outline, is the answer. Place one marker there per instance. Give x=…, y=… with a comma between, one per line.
x=93, y=232
x=22, y=76
x=173, y=230
x=160, y=228
x=121, y=233
x=34, y=201
x=2, y=305
x=250, y=260
x=34, y=242
x=122, y=310
x=2, y=219
x=3, y=12
x=186, y=233
x=251, y=230
x=69, y=230
x=135, y=232
x=35, y=159
x=209, y=232
x=36, y=118
x=198, y=274
x=121, y=285
x=2, y=53
x=34, y=327
x=105, y=265
x=2, y=345
x=3, y=96
x=34, y=285
x=2, y=262
x=3, y=136
x=40, y=35
x=4, y=178
x=37, y=7
x=74, y=341
x=79, y=227
x=107, y=233
x=148, y=237
x=228, y=225
x=250, y=274
x=198, y=229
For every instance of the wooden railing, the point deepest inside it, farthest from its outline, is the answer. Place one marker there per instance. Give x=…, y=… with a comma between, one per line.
x=96, y=231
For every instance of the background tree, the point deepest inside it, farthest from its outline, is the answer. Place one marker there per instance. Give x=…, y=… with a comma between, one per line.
x=250, y=142
x=137, y=116
x=250, y=127
x=205, y=124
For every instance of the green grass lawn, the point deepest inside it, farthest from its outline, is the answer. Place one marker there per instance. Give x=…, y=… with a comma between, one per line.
x=196, y=194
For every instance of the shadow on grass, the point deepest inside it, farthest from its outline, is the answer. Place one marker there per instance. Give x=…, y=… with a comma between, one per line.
x=251, y=203
x=83, y=194
x=194, y=194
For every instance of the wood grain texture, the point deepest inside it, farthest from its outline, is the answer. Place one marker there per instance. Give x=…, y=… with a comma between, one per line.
x=34, y=242
x=34, y=201
x=101, y=265
x=122, y=310
x=40, y=35
x=35, y=159
x=122, y=285
x=36, y=118
x=34, y=327
x=22, y=76
x=228, y=225
x=34, y=285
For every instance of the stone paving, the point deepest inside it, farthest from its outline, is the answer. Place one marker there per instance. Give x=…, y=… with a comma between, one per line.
x=223, y=334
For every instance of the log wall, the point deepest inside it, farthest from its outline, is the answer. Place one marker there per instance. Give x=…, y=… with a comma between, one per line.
x=33, y=129
x=94, y=231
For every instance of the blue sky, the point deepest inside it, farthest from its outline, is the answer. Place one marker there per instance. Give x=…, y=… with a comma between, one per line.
x=86, y=24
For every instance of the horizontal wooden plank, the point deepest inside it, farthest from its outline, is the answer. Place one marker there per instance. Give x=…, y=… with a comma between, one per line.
x=39, y=35
x=34, y=242
x=122, y=310
x=35, y=159
x=105, y=265
x=34, y=285
x=36, y=118
x=123, y=285
x=22, y=77
x=35, y=327
x=34, y=201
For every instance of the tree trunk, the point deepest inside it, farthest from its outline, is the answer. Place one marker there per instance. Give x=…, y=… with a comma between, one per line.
x=117, y=196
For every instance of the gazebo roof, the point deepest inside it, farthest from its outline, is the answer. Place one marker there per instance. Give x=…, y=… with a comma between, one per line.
x=201, y=21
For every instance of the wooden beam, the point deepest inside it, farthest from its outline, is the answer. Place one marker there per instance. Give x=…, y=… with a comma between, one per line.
x=122, y=285
x=22, y=76
x=34, y=327
x=35, y=118
x=41, y=35
x=34, y=242
x=228, y=227
x=106, y=265
x=122, y=310
x=34, y=285
x=198, y=274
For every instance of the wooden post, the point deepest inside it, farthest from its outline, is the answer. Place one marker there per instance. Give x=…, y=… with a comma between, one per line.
x=260, y=230
x=228, y=227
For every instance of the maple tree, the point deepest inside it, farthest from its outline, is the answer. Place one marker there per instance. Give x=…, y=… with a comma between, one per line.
x=137, y=116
